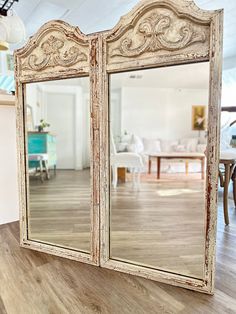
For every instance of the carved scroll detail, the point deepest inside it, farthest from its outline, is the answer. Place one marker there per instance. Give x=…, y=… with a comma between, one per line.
x=156, y=30
x=53, y=56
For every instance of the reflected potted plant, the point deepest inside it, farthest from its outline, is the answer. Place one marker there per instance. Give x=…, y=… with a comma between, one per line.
x=43, y=124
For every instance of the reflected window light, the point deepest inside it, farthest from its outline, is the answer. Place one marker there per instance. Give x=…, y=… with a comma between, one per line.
x=174, y=192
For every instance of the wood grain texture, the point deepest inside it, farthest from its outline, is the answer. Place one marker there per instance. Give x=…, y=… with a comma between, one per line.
x=140, y=228
x=56, y=285
x=59, y=211
x=161, y=225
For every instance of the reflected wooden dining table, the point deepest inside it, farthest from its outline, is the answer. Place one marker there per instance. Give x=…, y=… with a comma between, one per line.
x=186, y=156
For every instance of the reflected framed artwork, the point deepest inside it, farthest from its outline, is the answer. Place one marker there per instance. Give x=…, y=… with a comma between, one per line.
x=199, y=118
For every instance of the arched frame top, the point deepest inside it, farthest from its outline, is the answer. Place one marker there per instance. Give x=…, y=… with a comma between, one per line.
x=56, y=50
x=152, y=32
x=155, y=33
x=158, y=31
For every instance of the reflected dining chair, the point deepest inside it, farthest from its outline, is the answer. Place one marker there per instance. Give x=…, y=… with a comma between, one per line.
x=228, y=160
x=133, y=161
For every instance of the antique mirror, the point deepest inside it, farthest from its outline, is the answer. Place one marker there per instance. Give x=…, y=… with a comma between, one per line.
x=161, y=132
x=57, y=143
x=118, y=142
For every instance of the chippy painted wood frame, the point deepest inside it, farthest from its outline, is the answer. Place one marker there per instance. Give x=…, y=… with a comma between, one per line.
x=211, y=22
x=98, y=67
x=57, y=51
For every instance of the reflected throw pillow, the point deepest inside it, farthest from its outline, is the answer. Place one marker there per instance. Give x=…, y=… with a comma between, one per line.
x=136, y=145
x=151, y=146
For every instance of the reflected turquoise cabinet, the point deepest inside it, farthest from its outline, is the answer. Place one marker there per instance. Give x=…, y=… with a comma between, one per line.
x=42, y=143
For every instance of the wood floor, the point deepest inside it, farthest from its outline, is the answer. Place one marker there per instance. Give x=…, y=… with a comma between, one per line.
x=60, y=209
x=141, y=231
x=161, y=225
x=37, y=283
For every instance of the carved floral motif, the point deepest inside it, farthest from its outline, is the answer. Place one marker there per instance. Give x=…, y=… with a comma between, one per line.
x=53, y=56
x=156, y=35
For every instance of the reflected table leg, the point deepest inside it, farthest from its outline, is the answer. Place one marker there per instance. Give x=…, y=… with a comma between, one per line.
x=203, y=167
x=158, y=167
x=226, y=187
x=186, y=166
x=149, y=164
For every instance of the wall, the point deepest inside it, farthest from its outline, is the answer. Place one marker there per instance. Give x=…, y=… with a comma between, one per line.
x=35, y=101
x=61, y=116
x=81, y=141
x=160, y=113
x=115, y=114
x=9, y=206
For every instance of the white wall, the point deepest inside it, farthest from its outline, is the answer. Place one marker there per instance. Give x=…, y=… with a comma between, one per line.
x=9, y=206
x=160, y=113
x=115, y=114
x=61, y=116
x=81, y=135
x=34, y=99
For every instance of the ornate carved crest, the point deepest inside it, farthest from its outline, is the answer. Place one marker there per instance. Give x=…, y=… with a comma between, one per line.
x=53, y=55
x=159, y=31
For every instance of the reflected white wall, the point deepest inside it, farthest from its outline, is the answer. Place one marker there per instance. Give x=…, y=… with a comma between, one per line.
x=160, y=113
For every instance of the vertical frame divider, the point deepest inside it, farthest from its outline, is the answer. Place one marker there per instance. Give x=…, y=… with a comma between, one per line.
x=95, y=105
x=105, y=163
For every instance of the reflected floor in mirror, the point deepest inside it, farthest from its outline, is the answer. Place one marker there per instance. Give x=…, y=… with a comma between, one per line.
x=60, y=211
x=149, y=228
x=158, y=133
x=58, y=137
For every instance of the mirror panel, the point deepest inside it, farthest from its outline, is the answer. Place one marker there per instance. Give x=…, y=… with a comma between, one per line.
x=158, y=142
x=142, y=229
x=59, y=180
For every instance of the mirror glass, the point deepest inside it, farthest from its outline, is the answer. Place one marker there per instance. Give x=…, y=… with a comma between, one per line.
x=57, y=117
x=158, y=140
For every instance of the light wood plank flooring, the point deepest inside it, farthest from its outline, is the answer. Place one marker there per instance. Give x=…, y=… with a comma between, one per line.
x=161, y=225
x=37, y=283
x=60, y=209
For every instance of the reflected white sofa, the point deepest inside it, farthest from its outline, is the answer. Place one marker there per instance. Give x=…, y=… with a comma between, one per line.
x=146, y=146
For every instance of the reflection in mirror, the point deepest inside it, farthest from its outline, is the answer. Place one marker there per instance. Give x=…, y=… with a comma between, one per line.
x=157, y=158
x=58, y=137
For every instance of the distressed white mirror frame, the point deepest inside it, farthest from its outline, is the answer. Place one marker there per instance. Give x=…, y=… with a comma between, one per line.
x=141, y=40
x=136, y=42
x=57, y=51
